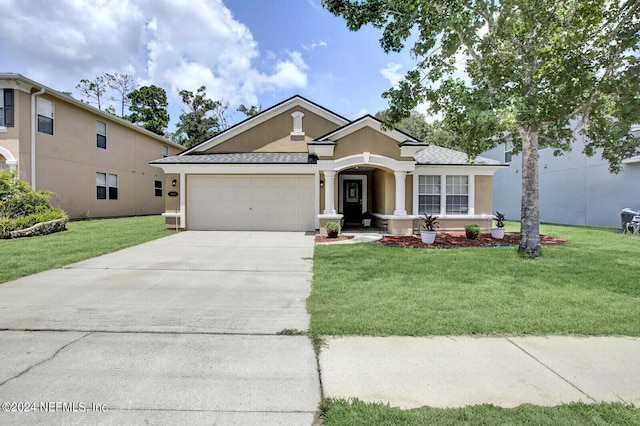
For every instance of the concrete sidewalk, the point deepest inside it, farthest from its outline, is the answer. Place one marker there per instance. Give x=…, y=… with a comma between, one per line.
x=411, y=372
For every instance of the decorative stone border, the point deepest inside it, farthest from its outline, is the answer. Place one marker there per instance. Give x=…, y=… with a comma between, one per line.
x=43, y=228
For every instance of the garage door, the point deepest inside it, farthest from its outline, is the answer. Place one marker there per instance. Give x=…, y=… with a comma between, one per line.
x=251, y=203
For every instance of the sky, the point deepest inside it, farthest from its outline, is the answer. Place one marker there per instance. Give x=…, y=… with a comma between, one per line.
x=252, y=52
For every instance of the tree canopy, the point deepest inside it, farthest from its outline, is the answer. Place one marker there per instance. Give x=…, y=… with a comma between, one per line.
x=203, y=118
x=122, y=85
x=535, y=72
x=416, y=125
x=149, y=108
x=93, y=90
x=249, y=111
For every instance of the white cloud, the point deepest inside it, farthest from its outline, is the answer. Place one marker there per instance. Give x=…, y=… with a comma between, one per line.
x=390, y=72
x=289, y=73
x=313, y=45
x=170, y=43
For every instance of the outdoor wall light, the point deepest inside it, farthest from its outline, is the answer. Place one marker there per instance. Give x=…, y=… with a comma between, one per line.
x=321, y=184
x=174, y=182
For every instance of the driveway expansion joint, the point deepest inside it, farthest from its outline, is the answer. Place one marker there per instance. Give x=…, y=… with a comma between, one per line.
x=551, y=370
x=60, y=349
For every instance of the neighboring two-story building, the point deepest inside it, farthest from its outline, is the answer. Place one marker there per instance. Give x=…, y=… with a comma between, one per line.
x=97, y=163
x=574, y=189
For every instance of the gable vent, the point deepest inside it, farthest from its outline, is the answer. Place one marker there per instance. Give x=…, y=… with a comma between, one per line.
x=297, y=124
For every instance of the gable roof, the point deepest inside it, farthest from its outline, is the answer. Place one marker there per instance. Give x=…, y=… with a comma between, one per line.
x=267, y=114
x=367, y=121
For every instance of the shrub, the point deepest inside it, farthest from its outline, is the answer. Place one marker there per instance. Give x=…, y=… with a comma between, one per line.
x=22, y=207
x=476, y=229
x=332, y=225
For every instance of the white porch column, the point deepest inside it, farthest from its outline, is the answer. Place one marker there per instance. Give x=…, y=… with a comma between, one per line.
x=329, y=193
x=400, y=199
x=183, y=204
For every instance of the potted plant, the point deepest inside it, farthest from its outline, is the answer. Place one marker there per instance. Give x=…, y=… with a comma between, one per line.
x=498, y=231
x=366, y=219
x=332, y=229
x=428, y=231
x=472, y=231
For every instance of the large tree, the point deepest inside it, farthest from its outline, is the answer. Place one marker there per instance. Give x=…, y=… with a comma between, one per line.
x=94, y=90
x=149, y=108
x=122, y=84
x=536, y=72
x=203, y=118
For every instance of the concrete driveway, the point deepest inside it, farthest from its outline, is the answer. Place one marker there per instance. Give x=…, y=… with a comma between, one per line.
x=177, y=330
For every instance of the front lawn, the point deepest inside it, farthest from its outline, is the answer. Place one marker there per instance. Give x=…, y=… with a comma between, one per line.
x=82, y=240
x=589, y=285
x=354, y=413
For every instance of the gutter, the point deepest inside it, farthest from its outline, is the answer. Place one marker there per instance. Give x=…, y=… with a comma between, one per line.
x=34, y=122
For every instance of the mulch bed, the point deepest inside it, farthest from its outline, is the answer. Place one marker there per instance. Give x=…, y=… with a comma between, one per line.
x=325, y=239
x=459, y=240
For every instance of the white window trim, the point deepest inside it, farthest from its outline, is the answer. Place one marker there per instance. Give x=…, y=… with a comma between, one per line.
x=508, y=151
x=417, y=178
x=107, y=186
x=53, y=115
x=98, y=133
x=471, y=211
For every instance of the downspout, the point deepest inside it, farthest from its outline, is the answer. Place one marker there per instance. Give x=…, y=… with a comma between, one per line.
x=34, y=122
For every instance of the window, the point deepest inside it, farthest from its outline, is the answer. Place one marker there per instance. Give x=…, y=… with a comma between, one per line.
x=112, y=182
x=158, y=188
x=443, y=195
x=6, y=107
x=101, y=134
x=165, y=151
x=101, y=186
x=508, y=147
x=457, y=194
x=45, y=116
x=429, y=194
x=3, y=163
x=106, y=186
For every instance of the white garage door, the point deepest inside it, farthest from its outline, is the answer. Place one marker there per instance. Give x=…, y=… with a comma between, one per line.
x=251, y=203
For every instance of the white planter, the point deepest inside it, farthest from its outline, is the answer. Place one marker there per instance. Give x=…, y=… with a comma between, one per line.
x=497, y=233
x=428, y=237
x=366, y=222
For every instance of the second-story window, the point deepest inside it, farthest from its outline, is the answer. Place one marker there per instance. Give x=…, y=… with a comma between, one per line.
x=45, y=116
x=6, y=107
x=101, y=134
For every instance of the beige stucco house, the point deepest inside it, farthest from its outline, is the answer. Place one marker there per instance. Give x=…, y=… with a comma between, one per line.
x=97, y=163
x=297, y=165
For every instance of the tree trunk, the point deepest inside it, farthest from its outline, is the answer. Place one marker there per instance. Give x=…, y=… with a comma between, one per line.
x=530, y=208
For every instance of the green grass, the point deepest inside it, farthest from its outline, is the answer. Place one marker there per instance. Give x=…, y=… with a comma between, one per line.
x=589, y=285
x=82, y=240
x=355, y=412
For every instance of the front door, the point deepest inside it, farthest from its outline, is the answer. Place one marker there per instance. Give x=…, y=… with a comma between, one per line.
x=352, y=193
